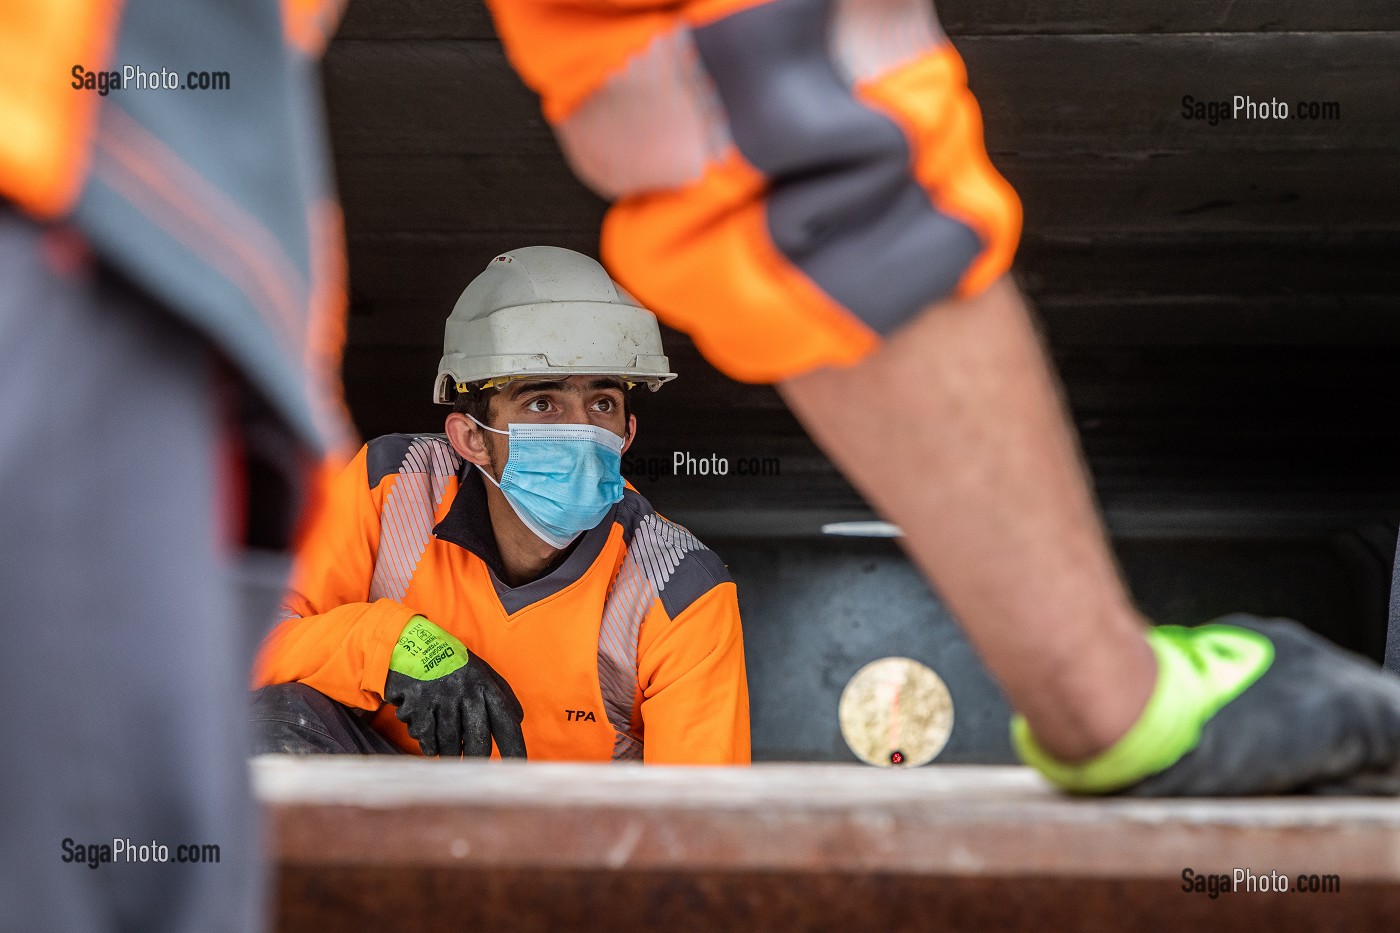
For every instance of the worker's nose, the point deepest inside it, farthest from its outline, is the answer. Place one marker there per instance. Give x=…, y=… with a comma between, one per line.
x=575, y=411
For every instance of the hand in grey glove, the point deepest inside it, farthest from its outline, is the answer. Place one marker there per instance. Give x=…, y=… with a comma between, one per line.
x=453, y=702
x=1247, y=706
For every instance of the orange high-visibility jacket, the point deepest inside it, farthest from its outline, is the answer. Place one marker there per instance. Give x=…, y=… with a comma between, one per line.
x=792, y=179
x=629, y=649
x=219, y=203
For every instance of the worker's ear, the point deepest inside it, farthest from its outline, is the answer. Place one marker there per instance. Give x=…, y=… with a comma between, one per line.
x=467, y=439
x=631, y=434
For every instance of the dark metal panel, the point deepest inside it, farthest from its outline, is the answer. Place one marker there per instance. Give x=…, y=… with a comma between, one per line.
x=429, y=97
x=403, y=286
x=1124, y=93
x=1144, y=290
x=816, y=612
x=465, y=193
x=1016, y=17
x=1038, y=93
x=1205, y=191
x=1317, y=195
x=1308, y=429
x=416, y=19
x=468, y=19
x=1225, y=271
x=1310, y=319
x=1220, y=299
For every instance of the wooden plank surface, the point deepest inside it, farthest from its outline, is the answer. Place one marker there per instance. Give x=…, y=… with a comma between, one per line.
x=957, y=820
x=511, y=846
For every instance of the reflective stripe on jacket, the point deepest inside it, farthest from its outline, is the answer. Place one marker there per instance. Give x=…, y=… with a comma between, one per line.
x=629, y=649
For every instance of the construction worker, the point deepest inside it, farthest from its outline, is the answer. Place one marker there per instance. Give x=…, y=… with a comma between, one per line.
x=499, y=580
x=171, y=304
x=801, y=185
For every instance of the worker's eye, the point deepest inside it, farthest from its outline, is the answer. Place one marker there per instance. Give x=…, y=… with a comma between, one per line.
x=605, y=405
x=539, y=404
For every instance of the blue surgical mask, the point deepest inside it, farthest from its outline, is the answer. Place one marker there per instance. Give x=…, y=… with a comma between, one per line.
x=561, y=479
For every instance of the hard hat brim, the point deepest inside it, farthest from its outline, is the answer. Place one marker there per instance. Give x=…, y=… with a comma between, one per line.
x=445, y=389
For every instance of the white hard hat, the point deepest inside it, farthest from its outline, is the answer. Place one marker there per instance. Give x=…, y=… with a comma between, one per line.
x=547, y=311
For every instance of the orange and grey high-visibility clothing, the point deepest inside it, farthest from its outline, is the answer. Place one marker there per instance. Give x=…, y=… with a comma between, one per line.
x=217, y=202
x=792, y=179
x=629, y=649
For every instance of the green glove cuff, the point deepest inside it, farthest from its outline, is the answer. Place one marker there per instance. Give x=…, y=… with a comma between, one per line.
x=426, y=652
x=1199, y=670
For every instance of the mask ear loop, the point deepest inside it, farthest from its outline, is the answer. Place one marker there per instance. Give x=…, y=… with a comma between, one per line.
x=485, y=427
x=481, y=469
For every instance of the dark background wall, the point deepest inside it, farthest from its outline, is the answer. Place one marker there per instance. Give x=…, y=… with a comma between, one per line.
x=1221, y=302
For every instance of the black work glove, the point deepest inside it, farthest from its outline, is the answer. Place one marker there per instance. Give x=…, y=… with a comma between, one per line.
x=1248, y=706
x=453, y=701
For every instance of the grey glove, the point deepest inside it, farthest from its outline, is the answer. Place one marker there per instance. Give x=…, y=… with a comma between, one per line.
x=1319, y=720
x=453, y=701
x=1248, y=706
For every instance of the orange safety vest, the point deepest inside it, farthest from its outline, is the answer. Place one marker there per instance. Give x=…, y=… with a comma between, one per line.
x=218, y=203
x=630, y=649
